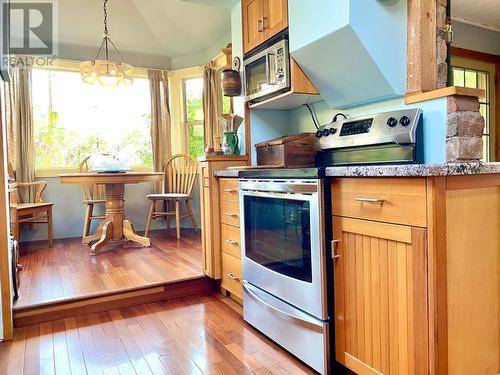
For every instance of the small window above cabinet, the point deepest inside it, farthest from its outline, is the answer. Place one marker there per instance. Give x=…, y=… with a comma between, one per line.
x=262, y=19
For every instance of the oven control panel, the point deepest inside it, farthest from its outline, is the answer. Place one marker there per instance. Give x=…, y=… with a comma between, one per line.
x=398, y=127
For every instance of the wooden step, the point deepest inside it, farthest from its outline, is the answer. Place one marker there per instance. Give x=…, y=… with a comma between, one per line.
x=26, y=316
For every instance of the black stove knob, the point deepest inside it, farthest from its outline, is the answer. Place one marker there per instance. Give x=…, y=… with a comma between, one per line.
x=326, y=132
x=319, y=134
x=405, y=121
x=392, y=122
x=332, y=131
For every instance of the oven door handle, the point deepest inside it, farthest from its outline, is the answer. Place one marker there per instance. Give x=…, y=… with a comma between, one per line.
x=279, y=313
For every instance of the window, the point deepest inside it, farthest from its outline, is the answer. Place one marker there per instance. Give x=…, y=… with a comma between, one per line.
x=226, y=105
x=73, y=119
x=475, y=74
x=193, y=115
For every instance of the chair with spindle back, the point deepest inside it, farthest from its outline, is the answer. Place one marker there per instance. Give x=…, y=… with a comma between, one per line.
x=24, y=212
x=93, y=194
x=180, y=175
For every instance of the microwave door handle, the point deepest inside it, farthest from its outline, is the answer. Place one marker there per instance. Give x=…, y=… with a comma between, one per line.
x=270, y=80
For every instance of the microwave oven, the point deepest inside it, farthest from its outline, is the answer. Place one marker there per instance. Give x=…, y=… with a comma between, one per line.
x=267, y=72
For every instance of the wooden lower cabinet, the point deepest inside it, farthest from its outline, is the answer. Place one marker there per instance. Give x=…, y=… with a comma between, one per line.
x=210, y=201
x=230, y=238
x=417, y=298
x=381, y=302
x=231, y=275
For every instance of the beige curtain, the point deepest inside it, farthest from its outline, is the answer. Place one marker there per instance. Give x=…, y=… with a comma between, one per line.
x=160, y=121
x=21, y=143
x=212, y=102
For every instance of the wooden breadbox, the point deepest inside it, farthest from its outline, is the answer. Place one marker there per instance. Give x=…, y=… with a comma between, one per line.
x=292, y=151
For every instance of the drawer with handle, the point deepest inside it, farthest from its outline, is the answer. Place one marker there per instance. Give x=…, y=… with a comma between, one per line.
x=231, y=275
x=390, y=200
x=230, y=240
x=229, y=190
x=230, y=213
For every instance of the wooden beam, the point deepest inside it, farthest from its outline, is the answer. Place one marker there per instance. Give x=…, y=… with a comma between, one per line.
x=475, y=55
x=422, y=45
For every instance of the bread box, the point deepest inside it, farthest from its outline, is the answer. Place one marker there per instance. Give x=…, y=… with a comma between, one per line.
x=292, y=151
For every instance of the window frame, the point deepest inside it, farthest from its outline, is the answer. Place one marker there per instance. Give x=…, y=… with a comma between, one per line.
x=65, y=65
x=186, y=124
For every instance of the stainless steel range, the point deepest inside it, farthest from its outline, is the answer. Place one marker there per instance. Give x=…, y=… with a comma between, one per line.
x=284, y=265
x=389, y=137
x=287, y=286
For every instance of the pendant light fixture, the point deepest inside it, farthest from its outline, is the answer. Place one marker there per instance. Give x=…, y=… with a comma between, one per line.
x=103, y=70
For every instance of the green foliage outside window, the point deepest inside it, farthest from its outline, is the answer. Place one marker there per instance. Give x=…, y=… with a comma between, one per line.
x=196, y=140
x=193, y=90
x=226, y=104
x=57, y=146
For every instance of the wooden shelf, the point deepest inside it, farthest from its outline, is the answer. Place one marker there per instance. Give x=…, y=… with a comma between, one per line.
x=441, y=93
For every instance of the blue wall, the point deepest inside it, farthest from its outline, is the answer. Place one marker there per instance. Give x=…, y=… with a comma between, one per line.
x=268, y=124
x=69, y=212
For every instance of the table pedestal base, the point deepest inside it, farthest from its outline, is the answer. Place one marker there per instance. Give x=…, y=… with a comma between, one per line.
x=104, y=236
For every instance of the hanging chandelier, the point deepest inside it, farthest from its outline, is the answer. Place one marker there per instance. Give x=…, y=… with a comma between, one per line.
x=102, y=70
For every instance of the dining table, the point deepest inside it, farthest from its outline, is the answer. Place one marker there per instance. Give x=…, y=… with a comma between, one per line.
x=115, y=228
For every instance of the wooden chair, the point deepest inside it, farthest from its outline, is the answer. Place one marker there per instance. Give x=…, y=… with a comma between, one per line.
x=180, y=175
x=37, y=212
x=93, y=194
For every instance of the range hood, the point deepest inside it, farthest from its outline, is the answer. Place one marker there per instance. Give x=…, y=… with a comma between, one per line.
x=354, y=51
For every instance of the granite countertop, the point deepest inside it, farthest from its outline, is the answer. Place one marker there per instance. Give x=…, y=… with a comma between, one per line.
x=414, y=170
x=408, y=170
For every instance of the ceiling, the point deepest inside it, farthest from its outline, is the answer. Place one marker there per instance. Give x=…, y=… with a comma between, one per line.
x=156, y=31
x=227, y=4
x=483, y=13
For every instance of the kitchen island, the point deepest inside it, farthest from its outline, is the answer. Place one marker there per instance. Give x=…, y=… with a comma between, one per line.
x=417, y=267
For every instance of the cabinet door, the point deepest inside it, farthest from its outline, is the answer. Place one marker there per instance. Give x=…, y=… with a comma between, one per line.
x=275, y=17
x=381, y=315
x=253, y=23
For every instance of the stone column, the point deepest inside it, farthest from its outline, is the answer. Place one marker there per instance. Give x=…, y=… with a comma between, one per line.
x=442, y=46
x=464, y=138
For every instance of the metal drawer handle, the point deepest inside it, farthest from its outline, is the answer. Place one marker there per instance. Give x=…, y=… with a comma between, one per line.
x=230, y=190
x=230, y=214
x=279, y=313
x=232, y=276
x=370, y=200
x=334, y=249
x=231, y=242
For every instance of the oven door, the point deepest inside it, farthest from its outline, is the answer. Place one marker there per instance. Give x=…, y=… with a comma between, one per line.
x=282, y=237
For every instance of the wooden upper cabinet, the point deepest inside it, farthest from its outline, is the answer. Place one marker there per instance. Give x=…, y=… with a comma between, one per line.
x=253, y=14
x=262, y=19
x=275, y=17
x=380, y=297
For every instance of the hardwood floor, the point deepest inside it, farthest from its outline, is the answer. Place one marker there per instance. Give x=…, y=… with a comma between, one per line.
x=197, y=335
x=67, y=270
